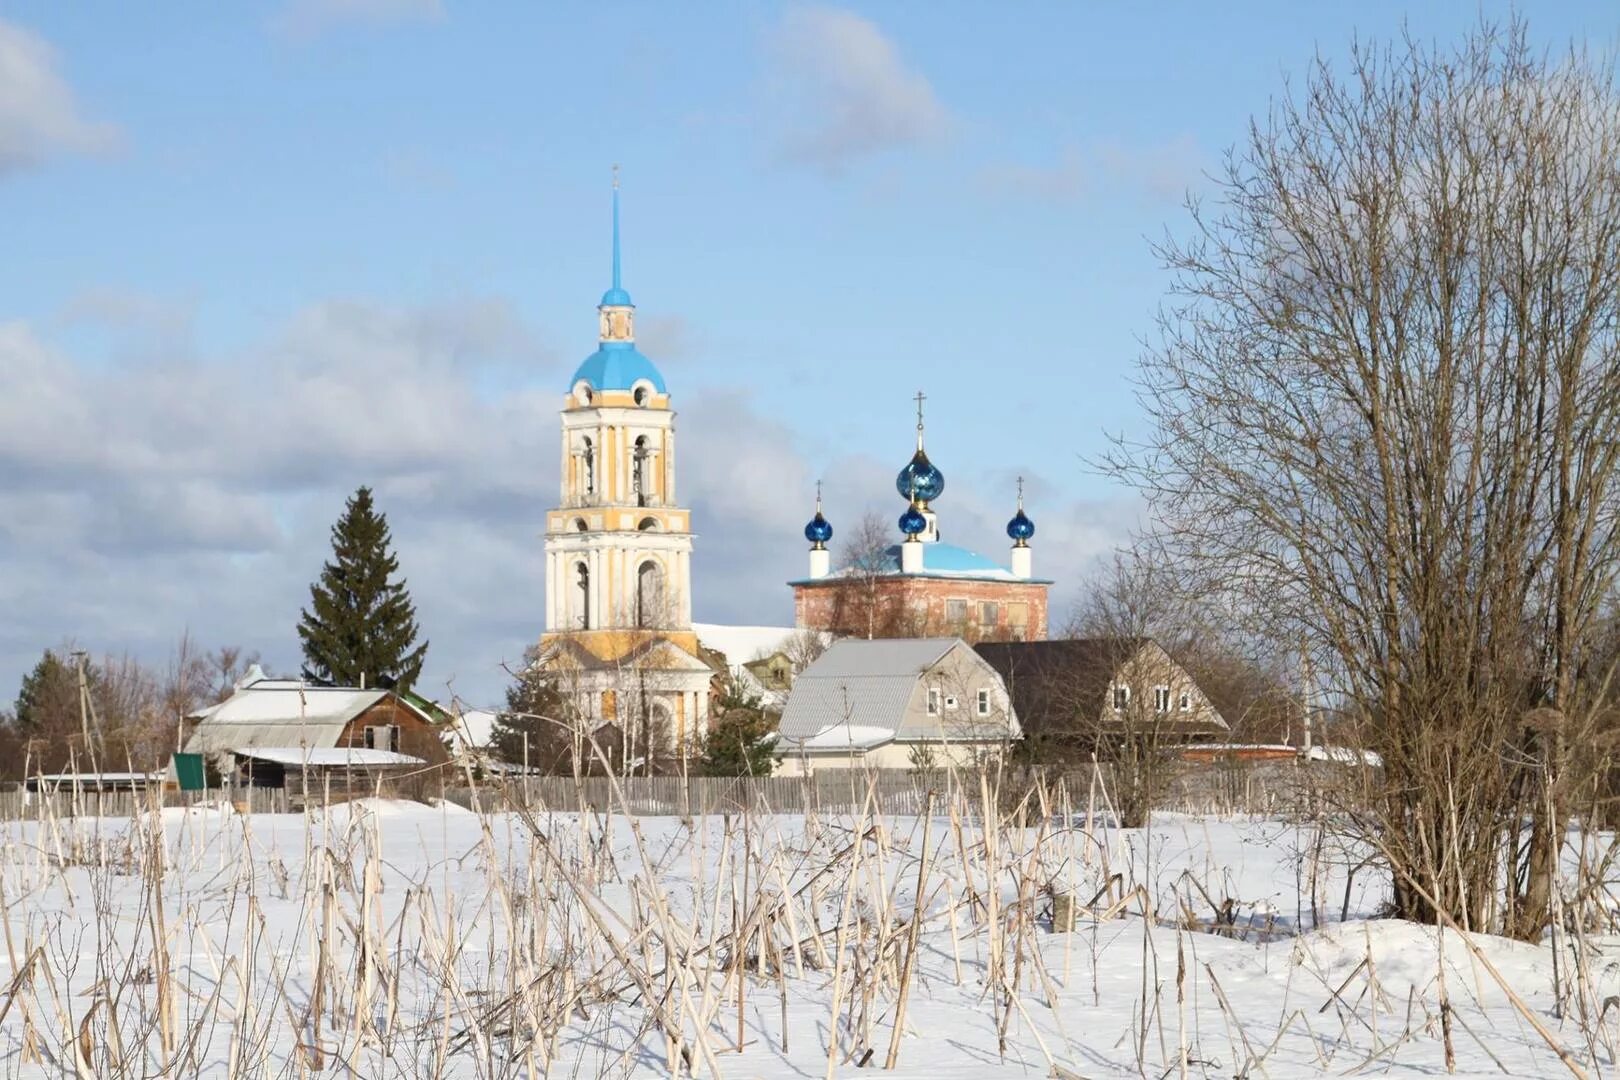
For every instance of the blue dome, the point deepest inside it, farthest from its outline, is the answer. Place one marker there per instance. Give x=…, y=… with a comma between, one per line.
x=919, y=480
x=912, y=522
x=1020, y=528
x=618, y=365
x=616, y=297
x=819, y=531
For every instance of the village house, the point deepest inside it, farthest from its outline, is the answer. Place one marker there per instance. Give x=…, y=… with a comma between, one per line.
x=271, y=730
x=1074, y=697
x=898, y=703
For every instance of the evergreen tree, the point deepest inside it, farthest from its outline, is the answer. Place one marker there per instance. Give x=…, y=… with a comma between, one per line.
x=741, y=740
x=360, y=628
x=48, y=701
x=527, y=727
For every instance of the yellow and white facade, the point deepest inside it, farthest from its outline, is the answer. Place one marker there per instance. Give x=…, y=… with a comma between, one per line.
x=618, y=546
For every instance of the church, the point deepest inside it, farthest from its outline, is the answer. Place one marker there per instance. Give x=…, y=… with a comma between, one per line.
x=619, y=640
x=923, y=587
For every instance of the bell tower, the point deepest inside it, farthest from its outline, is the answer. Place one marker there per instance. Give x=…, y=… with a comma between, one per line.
x=618, y=545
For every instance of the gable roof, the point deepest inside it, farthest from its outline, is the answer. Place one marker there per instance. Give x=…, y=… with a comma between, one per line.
x=859, y=682
x=282, y=713
x=1053, y=683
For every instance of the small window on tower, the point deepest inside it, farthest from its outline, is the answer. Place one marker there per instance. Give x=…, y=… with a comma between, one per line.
x=641, y=396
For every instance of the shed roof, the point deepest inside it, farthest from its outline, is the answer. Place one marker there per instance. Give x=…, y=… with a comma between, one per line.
x=327, y=757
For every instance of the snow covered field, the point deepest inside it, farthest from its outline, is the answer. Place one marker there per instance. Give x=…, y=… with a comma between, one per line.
x=390, y=939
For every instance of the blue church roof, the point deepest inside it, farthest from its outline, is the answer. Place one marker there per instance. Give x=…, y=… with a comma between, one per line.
x=618, y=365
x=948, y=560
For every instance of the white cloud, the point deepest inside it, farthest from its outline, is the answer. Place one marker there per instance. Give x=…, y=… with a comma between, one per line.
x=311, y=18
x=1163, y=170
x=846, y=93
x=39, y=117
x=138, y=498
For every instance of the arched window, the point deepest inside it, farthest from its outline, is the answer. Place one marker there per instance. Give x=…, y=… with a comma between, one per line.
x=638, y=477
x=648, y=524
x=582, y=602
x=589, y=453
x=580, y=525
x=650, y=595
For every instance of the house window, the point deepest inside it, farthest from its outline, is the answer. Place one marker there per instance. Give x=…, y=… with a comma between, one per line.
x=1122, y=698
x=987, y=613
x=956, y=612
x=984, y=701
x=1161, y=699
x=1186, y=701
x=380, y=737
x=950, y=702
x=933, y=701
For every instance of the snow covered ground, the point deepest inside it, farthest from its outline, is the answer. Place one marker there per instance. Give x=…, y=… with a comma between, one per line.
x=387, y=939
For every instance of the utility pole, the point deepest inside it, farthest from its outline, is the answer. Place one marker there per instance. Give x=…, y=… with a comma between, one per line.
x=87, y=709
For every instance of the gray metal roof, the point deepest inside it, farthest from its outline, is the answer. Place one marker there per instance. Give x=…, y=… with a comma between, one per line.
x=862, y=683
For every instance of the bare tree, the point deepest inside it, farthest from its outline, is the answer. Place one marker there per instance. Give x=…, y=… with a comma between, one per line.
x=861, y=605
x=1385, y=401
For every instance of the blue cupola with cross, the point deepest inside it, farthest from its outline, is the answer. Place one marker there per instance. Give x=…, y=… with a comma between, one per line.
x=617, y=365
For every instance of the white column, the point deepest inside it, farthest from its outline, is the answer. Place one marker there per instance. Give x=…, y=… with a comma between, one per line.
x=820, y=562
x=599, y=614
x=911, y=556
x=1023, y=562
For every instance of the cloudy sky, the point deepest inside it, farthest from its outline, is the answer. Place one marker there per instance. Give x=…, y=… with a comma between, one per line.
x=256, y=255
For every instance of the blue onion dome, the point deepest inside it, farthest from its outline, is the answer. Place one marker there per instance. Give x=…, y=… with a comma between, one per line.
x=912, y=522
x=819, y=531
x=920, y=480
x=1020, y=528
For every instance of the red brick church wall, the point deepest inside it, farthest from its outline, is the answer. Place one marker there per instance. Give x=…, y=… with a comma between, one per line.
x=921, y=607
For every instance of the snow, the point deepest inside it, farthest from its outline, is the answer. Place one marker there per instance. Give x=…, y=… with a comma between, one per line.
x=474, y=728
x=1344, y=755
x=1283, y=992
x=743, y=644
x=842, y=737
x=329, y=756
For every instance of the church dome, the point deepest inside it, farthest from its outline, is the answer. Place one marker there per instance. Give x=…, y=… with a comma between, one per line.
x=819, y=531
x=912, y=522
x=618, y=365
x=616, y=297
x=920, y=480
x=1020, y=528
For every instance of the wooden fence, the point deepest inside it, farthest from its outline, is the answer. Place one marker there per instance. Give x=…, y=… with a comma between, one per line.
x=1262, y=789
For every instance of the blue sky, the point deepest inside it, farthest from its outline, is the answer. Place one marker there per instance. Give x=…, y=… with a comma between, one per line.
x=261, y=253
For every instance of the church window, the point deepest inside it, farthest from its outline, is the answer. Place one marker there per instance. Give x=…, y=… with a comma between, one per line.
x=582, y=592
x=641, y=396
x=589, y=455
x=956, y=612
x=638, y=477
x=648, y=525
x=650, y=595
x=581, y=526
x=987, y=613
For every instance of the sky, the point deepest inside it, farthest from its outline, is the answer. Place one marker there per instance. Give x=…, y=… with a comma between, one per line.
x=259, y=254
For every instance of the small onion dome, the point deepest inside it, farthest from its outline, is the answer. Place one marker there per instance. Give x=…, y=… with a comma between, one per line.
x=912, y=522
x=1020, y=528
x=920, y=480
x=819, y=531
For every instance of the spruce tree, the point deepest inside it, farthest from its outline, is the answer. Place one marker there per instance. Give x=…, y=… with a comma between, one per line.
x=360, y=628
x=528, y=729
x=741, y=740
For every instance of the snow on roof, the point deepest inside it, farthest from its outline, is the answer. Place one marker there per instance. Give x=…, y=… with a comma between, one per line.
x=328, y=756
x=288, y=701
x=844, y=737
x=741, y=644
x=1344, y=755
x=473, y=727
x=871, y=680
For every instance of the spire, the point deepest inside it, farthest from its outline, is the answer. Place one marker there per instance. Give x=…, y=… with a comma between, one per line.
x=1020, y=493
x=921, y=397
x=616, y=286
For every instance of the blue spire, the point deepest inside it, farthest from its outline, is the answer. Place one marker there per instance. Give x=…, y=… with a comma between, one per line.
x=616, y=296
